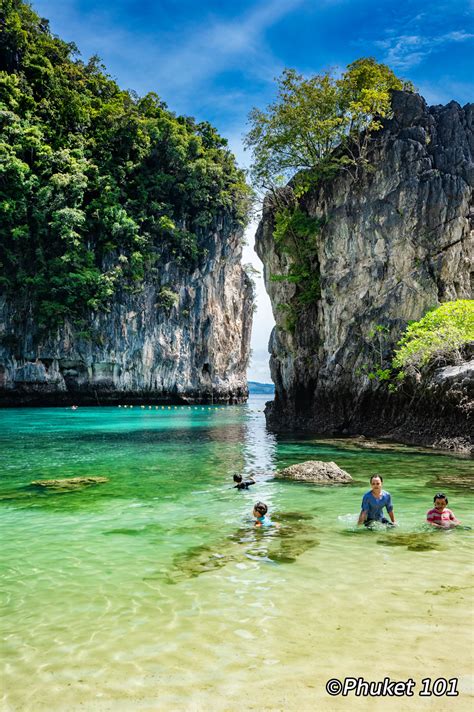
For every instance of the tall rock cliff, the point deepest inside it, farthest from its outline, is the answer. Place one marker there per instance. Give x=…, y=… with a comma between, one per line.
x=192, y=346
x=394, y=243
x=120, y=236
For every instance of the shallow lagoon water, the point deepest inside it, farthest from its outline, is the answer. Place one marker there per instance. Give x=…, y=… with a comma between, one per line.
x=153, y=591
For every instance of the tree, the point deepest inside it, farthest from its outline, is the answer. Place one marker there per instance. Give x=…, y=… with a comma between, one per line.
x=313, y=116
x=298, y=132
x=365, y=91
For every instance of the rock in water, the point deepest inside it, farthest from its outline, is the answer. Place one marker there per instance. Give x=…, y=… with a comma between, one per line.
x=317, y=472
x=69, y=483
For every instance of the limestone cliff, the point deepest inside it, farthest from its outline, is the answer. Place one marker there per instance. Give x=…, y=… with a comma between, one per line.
x=395, y=242
x=193, y=347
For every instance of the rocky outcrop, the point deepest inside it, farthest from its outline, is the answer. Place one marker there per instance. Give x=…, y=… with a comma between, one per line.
x=315, y=472
x=395, y=242
x=192, y=346
x=69, y=483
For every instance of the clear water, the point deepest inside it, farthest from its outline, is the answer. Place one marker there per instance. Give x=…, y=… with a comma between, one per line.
x=153, y=591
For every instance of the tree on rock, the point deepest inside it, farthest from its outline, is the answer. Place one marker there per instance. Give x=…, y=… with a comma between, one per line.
x=313, y=116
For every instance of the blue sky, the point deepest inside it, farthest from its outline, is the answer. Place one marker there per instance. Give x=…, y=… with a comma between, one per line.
x=215, y=60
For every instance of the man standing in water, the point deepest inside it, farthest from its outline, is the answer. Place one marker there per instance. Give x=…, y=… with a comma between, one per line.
x=373, y=503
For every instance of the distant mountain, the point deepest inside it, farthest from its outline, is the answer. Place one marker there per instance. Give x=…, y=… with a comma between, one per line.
x=255, y=387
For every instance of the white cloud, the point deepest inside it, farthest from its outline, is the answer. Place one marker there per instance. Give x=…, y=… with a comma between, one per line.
x=187, y=62
x=180, y=64
x=457, y=36
x=259, y=369
x=407, y=51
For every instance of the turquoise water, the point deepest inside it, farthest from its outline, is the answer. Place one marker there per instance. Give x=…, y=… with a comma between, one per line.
x=153, y=590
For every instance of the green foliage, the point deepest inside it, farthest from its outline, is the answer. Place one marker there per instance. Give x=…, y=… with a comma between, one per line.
x=97, y=185
x=296, y=234
x=378, y=368
x=440, y=334
x=380, y=374
x=167, y=299
x=313, y=116
x=297, y=132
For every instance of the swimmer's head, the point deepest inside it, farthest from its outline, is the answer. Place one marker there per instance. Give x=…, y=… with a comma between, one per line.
x=376, y=483
x=260, y=509
x=440, y=501
x=376, y=477
x=237, y=478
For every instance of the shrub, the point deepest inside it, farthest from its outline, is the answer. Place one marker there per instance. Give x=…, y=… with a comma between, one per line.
x=439, y=335
x=167, y=299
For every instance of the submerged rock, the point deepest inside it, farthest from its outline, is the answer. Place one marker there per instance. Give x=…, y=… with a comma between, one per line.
x=281, y=545
x=449, y=481
x=414, y=541
x=69, y=483
x=316, y=472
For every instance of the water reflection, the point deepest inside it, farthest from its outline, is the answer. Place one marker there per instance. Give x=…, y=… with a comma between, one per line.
x=259, y=444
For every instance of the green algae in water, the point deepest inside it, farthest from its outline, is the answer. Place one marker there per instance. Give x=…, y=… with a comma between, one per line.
x=413, y=541
x=126, y=532
x=292, y=516
x=194, y=562
x=276, y=545
x=452, y=481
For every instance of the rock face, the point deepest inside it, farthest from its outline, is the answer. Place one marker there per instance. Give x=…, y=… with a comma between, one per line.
x=317, y=472
x=196, y=350
x=395, y=243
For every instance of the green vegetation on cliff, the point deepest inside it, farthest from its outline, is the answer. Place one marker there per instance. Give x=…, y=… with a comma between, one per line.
x=97, y=185
x=439, y=336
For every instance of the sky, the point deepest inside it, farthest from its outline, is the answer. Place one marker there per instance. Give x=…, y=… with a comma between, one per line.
x=216, y=60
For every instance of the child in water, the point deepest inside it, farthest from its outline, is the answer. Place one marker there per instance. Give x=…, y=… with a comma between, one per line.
x=440, y=516
x=260, y=513
x=242, y=484
x=373, y=503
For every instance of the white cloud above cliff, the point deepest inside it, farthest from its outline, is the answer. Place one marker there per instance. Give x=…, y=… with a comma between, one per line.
x=263, y=320
x=407, y=51
x=218, y=46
